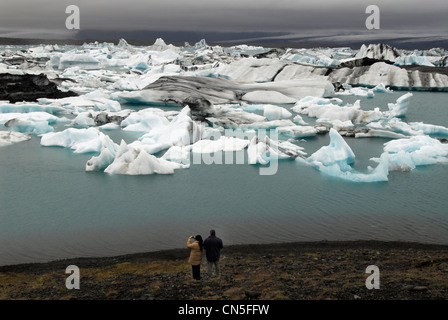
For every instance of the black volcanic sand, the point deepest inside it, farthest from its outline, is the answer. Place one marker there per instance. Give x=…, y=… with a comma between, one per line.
x=292, y=271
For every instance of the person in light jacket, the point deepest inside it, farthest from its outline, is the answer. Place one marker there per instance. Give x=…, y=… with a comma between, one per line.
x=195, y=255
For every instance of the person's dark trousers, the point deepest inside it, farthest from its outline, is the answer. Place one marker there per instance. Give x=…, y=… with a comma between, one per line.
x=196, y=272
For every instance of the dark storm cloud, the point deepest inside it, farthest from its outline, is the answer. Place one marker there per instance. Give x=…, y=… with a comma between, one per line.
x=226, y=16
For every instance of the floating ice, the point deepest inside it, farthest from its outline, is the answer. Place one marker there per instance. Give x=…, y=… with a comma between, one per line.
x=66, y=60
x=324, y=109
x=406, y=154
x=297, y=132
x=299, y=120
x=181, y=131
x=337, y=158
x=8, y=137
x=29, y=126
x=413, y=60
x=261, y=150
x=357, y=91
x=130, y=161
x=399, y=108
x=29, y=107
x=107, y=155
x=33, y=122
x=178, y=154
x=224, y=144
x=381, y=88
x=276, y=113
x=144, y=122
x=80, y=140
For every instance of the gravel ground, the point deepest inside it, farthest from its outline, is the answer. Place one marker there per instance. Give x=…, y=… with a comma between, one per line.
x=292, y=271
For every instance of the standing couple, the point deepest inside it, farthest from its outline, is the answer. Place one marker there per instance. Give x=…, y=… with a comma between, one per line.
x=212, y=246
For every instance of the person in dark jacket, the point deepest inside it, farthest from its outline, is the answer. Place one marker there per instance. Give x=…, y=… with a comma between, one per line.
x=213, y=246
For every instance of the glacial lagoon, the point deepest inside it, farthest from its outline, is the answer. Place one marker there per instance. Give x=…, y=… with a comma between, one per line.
x=51, y=208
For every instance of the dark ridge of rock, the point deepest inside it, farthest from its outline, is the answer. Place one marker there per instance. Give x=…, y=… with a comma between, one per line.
x=200, y=107
x=273, y=53
x=426, y=69
x=28, y=87
x=362, y=62
x=104, y=118
x=379, y=51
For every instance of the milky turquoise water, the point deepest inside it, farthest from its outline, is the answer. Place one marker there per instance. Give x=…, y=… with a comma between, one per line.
x=50, y=208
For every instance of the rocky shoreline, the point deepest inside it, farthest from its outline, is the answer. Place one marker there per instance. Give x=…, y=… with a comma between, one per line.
x=291, y=271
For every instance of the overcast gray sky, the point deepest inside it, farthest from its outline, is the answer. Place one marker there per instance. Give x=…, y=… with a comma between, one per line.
x=40, y=16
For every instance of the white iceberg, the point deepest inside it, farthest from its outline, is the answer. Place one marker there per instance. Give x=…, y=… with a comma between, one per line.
x=130, y=161
x=178, y=154
x=399, y=108
x=181, y=131
x=224, y=144
x=297, y=132
x=29, y=107
x=8, y=137
x=107, y=155
x=262, y=150
x=79, y=140
x=406, y=154
x=272, y=112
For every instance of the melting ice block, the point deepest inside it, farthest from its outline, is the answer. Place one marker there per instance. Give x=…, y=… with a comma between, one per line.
x=8, y=137
x=178, y=154
x=131, y=161
x=222, y=144
x=399, y=108
x=272, y=112
x=29, y=107
x=33, y=122
x=80, y=140
x=297, y=132
x=406, y=154
x=262, y=150
x=381, y=88
x=181, y=131
x=337, y=158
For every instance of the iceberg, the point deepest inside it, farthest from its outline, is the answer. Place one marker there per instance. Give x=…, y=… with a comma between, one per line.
x=107, y=155
x=181, y=131
x=413, y=60
x=275, y=113
x=357, y=91
x=8, y=137
x=329, y=111
x=261, y=150
x=381, y=88
x=224, y=144
x=144, y=122
x=79, y=140
x=33, y=122
x=66, y=60
x=406, y=154
x=29, y=126
x=399, y=108
x=337, y=158
x=29, y=107
x=130, y=161
x=378, y=51
x=179, y=155
x=174, y=90
x=297, y=132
